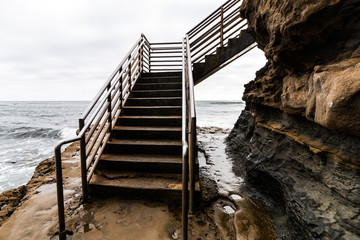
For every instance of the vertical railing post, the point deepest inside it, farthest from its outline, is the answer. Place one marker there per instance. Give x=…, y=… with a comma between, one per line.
x=60, y=194
x=185, y=194
x=192, y=151
x=121, y=90
x=83, y=161
x=149, y=57
x=141, y=59
x=130, y=80
x=222, y=27
x=109, y=108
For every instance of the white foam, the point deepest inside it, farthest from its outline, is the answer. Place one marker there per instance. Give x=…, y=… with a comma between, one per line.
x=67, y=133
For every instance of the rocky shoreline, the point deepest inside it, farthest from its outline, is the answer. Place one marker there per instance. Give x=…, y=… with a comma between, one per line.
x=225, y=214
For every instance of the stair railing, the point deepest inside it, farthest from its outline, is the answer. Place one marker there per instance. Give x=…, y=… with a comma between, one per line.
x=166, y=57
x=100, y=117
x=215, y=30
x=188, y=137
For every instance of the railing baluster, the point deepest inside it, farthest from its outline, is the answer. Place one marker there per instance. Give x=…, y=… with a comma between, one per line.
x=121, y=90
x=129, y=74
x=109, y=108
x=222, y=27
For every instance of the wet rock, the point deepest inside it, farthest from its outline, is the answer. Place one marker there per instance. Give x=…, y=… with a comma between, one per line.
x=9, y=200
x=44, y=174
x=306, y=174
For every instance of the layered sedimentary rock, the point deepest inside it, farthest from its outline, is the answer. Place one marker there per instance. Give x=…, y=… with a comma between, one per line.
x=314, y=59
x=298, y=137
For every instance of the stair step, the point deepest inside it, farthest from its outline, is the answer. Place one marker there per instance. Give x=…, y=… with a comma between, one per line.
x=223, y=56
x=166, y=142
x=134, y=162
x=149, y=121
x=145, y=146
x=157, y=86
x=149, y=128
x=168, y=79
x=152, y=110
x=162, y=74
x=135, y=185
x=154, y=101
x=147, y=132
x=156, y=93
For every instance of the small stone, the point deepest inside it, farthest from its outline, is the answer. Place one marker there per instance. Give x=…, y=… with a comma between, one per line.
x=175, y=235
x=91, y=226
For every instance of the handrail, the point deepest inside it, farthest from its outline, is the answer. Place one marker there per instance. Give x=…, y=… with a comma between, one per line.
x=97, y=97
x=99, y=118
x=191, y=123
x=215, y=30
x=188, y=137
x=207, y=18
x=165, y=57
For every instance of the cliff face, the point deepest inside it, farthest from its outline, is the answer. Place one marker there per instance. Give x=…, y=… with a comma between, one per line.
x=314, y=59
x=298, y=137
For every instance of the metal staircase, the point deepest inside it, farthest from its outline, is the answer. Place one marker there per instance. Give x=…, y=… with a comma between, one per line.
x=138, y=135
x=143, y=156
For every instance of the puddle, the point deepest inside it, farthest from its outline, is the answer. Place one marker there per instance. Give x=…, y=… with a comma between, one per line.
x=216, y=162
x=236, y=215
x=229, y=210
x=235, y=197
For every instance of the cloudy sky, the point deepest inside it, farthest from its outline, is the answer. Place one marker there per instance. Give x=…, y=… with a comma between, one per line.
x=66, y=49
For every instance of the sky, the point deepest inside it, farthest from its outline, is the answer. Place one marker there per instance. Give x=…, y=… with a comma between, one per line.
x=54, y=50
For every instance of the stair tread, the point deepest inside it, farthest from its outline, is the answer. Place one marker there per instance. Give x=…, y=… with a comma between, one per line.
x=147, y=128
x=154, y=98
x=165, y=83
x=140, y=158
x=154, y=107
x=152, y=116
x=135, y=181
x=158, y=90
x=159, y=142
x=159, y=77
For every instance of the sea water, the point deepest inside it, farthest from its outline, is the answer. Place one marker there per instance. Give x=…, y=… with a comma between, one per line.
x=29, y=131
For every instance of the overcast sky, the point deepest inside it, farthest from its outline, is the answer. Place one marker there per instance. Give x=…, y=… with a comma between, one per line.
x=66, y=49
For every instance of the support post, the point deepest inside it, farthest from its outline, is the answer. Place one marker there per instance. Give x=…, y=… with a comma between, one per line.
x=185, y=196
x=192, y=156
x=60, y=194
x=83, y=162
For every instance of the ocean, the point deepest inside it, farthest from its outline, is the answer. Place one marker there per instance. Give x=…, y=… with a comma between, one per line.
x=29, y=131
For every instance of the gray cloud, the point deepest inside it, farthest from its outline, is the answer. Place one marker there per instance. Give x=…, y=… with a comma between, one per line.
x=52, y=49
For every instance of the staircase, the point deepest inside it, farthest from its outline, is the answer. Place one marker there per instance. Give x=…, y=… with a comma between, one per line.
x=138, y=135
x=143, y=157
x=224, y=55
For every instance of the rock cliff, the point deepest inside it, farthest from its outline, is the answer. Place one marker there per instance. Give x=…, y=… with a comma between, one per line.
x=298, y=137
